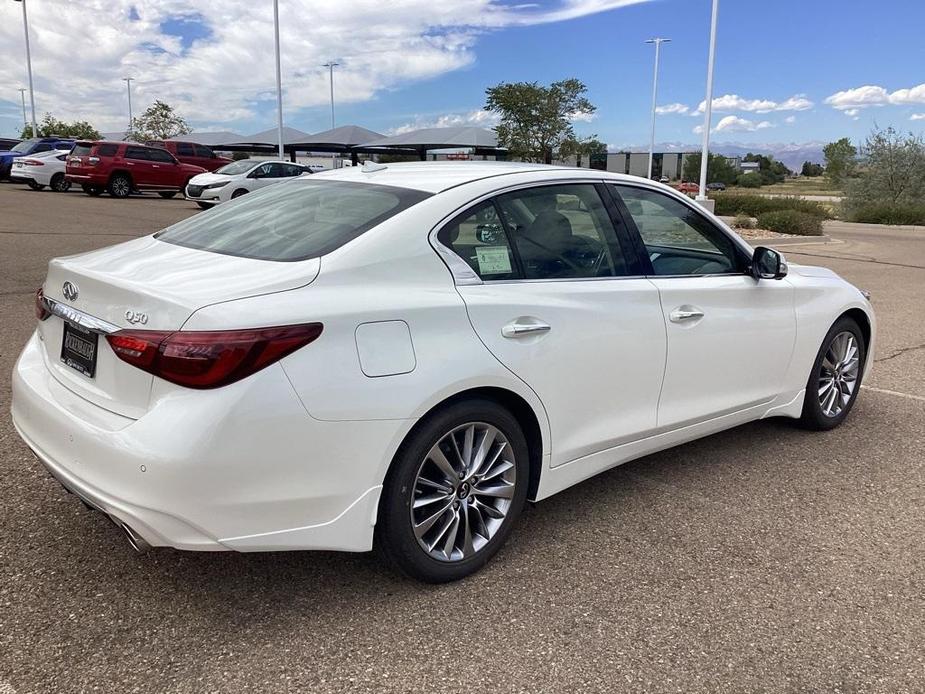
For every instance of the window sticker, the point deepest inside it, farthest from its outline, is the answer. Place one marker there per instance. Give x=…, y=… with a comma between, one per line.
x=493, y=260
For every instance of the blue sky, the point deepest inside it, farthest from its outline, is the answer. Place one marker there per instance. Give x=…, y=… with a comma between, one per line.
x=786, y=71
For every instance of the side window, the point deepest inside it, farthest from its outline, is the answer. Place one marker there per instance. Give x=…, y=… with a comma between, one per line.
x=293, y=170
x=160, y=155
x=562, y=231
x=478, y=237
x=140, y=153
x=204, y=152
x=42, y=147
x=679, y=240
x=185, y=149
x=263, y=171
x=107, y=150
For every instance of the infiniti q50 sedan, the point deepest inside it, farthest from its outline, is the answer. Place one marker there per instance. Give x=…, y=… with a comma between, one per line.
x=403, y=355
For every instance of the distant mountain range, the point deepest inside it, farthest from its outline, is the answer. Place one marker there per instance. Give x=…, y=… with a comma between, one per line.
x=793, y=154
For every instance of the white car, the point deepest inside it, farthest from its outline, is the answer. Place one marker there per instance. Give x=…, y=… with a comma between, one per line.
x=405, y=354
x=238, y=178
x=43, y=169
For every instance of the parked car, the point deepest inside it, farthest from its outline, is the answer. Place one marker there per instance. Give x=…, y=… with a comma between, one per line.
x=716, y=185
x=688, y=187
x=238, y=178
x=664, y=179
x=122, y=168
x=192, y=153
x=36, y=145
x=405, y=353
x=40, y=170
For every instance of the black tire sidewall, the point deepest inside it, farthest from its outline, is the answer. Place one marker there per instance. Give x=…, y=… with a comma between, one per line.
x=394, y=535
x=238, y=193
x=59, y=183
x=813, y=417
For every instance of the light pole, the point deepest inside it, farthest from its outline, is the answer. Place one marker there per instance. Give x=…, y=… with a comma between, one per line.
x=658, y=44
x=128, y=84
x=25, y=25
x=22, y=94
x=708, y=108
x=279, y=82
x=330, y=65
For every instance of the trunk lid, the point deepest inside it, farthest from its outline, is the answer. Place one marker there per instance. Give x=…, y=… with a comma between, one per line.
x=151, y=285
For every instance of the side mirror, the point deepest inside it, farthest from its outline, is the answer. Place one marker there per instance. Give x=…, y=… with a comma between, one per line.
x=767, y=264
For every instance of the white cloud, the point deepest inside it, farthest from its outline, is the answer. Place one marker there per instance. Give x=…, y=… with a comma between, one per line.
x=790, y=120
x=479, y=118
x=228, y=75
x=734, y=102
x=734, y=124
x=917, y=116
x=850, y=100
x=672, y=108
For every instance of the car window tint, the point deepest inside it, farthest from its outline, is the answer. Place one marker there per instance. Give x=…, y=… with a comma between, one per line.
x=293, y=170
x=562, y=231
x=295, y=220
x=107, y=150
x=160, y=155
x=679, y=240
x=185, y=149
x=42, y=147
x=136, y=153
x=479, y=238
x=202, y=151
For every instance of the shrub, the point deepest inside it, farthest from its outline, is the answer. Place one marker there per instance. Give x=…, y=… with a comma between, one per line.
x=886, y=213
x=749, y=180
x=791, y=222
x=743, y=221
x=732, y=204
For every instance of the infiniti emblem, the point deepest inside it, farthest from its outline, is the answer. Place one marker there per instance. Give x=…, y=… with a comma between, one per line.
x=70, y=291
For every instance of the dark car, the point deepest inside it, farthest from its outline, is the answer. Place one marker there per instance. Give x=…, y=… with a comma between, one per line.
x=192, y=153
x=122, y=168
x=32, y=146
x=716, y=185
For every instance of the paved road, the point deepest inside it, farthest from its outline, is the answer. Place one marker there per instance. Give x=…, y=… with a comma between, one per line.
x=762, y=559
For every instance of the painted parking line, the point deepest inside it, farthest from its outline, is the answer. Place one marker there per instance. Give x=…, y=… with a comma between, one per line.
x=909, y=396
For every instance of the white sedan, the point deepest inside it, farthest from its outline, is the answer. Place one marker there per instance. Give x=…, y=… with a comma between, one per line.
x=238, y=178
x=43, y=169
x=405, y=354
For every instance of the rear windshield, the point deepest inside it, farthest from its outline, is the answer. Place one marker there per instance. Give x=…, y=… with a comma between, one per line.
x=81, y=149
x=295, y=220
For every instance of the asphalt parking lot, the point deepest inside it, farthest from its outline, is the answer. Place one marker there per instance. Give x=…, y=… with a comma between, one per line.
x=762, y=559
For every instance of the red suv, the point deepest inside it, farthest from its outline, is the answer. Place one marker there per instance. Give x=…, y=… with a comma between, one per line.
x=192, y=153
x=122, y=168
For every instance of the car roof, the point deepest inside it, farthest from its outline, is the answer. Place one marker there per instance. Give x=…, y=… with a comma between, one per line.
x=437, y=176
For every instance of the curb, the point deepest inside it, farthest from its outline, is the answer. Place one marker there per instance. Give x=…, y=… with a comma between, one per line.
x=790, y=241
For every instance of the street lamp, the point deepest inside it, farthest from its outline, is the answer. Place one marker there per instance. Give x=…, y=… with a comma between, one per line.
x=22, y=94
x=279, y=81
x=25, y=25
x=708, y=108
x=658, y=44
x=330, y=65
x=128, y=84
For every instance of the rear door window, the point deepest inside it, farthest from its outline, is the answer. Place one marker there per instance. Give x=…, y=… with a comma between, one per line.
x=107, y=150
x=296, y=220
x=139, y=153
x=185, y=149
x=204, y=152
x=160, y=155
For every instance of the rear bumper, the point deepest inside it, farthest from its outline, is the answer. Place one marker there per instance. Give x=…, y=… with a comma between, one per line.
x=86, y=179
x=242, y=467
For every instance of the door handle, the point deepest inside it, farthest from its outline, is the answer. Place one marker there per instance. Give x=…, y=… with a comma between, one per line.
x=524, y=329
x=679, y=315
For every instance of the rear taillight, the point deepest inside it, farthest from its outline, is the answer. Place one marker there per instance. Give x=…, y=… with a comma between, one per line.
x=32, y=162
x=209, y=359
x=41, y=310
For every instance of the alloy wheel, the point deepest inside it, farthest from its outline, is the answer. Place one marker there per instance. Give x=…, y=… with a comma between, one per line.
x=120, y=187
x=838, y=374
x=463, y=491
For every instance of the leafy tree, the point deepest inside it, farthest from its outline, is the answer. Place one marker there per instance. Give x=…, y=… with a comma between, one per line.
x=892, y=171
x=158, y=122
x=771, y=170
x=719, y=169
x=50, y=125
x=537, y=120
x=810, y=169
x=840, y=160
x=583, y=147
x=750, y=180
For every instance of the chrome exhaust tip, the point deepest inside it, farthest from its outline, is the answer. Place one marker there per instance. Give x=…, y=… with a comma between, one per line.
x=138, y=543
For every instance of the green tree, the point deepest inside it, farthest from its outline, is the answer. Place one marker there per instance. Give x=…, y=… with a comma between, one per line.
x=840, y=160
x=537, y=120
x=158, y=122
x=50, y=125
x=771, y=170
x=810, y=169
x=581, y=148
x=719, y=169
x=892, y=171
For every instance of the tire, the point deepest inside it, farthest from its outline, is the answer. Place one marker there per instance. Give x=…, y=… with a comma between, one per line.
x=167, y=194
x=93, y=191
x=462, y=502
x=59, y=183
x=205, y=205
x=238, y=193
x=35, y=186
x=120, y=185
x=835, y=379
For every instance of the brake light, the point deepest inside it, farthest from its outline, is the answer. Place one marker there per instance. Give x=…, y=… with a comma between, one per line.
x=41, y=310
x=209, y=359
x=32, y=162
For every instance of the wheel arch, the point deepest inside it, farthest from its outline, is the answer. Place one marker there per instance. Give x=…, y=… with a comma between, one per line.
x=116, y=172
x=863, y=321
